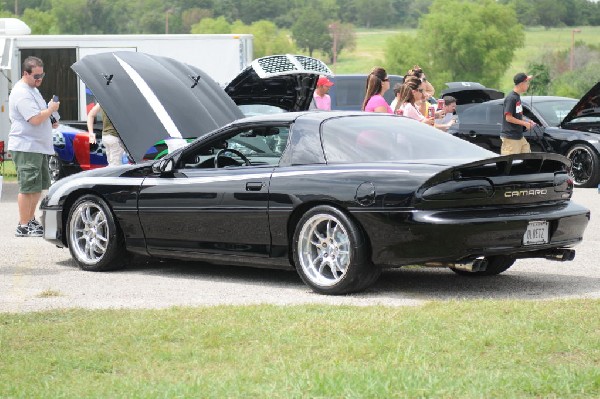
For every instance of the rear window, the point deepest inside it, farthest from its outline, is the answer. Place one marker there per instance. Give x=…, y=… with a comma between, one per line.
x=391, y=138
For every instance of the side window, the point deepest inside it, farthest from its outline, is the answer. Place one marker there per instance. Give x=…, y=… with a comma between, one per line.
x=256, y=146
x=495, y=114
x=349, y=92
x=477, y=114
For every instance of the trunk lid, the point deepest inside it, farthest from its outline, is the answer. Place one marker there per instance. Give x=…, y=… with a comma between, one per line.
x=512, y=180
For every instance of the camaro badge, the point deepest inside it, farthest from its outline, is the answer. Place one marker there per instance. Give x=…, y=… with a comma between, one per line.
x=524, y=193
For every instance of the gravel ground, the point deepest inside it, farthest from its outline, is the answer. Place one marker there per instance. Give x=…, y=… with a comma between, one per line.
x=34, y=276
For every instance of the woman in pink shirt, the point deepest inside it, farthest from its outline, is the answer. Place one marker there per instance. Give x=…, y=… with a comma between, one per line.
x=377, y=84
x=410, y=97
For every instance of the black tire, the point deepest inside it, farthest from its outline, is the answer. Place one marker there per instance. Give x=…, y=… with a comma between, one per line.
x=55, y=166
x=495, y=265
x=585, y=167
x=331, y=253
x=93, y=237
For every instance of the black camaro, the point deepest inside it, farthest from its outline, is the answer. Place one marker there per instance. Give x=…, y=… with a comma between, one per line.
x=336, y=196
x=565, y=126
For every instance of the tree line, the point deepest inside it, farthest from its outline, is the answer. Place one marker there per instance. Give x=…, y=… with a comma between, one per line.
x=150, y=16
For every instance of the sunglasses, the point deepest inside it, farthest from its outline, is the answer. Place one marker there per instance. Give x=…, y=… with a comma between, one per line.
x=421, y=90
x=38, y=76
x=385, y=80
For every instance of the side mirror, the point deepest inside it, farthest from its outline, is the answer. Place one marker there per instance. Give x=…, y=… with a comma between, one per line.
x=165, y=165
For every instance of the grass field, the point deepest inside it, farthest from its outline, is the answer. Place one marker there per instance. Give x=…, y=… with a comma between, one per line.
x=371, y=44
x=457, y=349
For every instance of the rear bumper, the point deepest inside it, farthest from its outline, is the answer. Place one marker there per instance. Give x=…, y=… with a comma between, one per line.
x=417, y=236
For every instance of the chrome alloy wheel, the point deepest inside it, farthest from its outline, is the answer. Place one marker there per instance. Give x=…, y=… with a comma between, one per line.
x=55, y=168
x=324, y=249
x=88, y=232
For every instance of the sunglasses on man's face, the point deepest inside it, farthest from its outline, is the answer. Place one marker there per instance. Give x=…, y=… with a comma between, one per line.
x=38, y=76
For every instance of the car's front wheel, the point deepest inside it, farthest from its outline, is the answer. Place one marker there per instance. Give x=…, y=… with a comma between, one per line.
x=93, y=237
x=55, y=167
x=331, y=252
x=585, y=167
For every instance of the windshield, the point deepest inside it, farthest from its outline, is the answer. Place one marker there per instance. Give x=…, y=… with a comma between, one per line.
x=553, y=112
x=392, y=138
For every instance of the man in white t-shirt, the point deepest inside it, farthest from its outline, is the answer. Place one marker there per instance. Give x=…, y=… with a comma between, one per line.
x=30, y=143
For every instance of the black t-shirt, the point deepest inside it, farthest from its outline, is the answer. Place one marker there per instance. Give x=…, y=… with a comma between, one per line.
x=512, y=106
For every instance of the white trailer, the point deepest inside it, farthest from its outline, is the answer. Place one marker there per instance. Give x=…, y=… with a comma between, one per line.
x=221, y=56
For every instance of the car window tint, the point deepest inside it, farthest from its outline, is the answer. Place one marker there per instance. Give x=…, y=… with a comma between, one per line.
x=477, y=114
x=349, y=92
x=553, y=112
x=390, y=138
x=261, y=145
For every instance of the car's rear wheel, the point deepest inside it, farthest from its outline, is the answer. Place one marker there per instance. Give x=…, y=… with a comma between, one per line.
x=56, y=168
x=495, y=265
x=331, y=252
x=93, y=236
x=585, y=167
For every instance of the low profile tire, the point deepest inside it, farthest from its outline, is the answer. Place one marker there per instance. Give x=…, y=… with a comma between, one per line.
x=495, y=265
x=331, y=252
x=585, y=167
x=55, y=167
x=93, y=237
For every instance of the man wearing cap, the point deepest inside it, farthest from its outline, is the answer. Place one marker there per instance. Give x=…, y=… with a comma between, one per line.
x=513, y=123
x=322, y=99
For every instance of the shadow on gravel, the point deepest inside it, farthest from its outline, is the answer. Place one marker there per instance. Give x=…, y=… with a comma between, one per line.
x=443, y=284
x=416, y=283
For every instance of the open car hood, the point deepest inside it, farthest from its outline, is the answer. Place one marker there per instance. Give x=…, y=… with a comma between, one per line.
x=468, y=93
x=284, y=81
x=589, y=105
x=150, y=98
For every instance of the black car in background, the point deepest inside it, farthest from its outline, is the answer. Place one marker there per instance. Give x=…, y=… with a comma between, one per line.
x=565, y=126
x=348, y=92
x=470, y=93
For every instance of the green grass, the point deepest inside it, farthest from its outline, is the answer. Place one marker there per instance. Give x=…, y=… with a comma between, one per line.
x=371, y=45
x=467, y=349
x=8, y=171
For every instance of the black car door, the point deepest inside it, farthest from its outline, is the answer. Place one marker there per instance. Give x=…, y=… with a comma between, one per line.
x=202, y=208
x=481, y=124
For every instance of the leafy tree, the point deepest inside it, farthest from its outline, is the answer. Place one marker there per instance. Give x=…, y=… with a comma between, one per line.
x=373, y=13
x=212, y=25
x=541, y=84
x=40, y=22
x=192, y=16
x=268, y=39
x=311, y=32
x=344, y=37
x=460, y=40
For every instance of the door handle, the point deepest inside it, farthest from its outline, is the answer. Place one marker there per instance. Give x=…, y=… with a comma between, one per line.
x=254, y=186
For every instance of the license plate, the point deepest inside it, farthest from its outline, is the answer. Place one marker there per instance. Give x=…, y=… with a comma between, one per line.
x=536, y=233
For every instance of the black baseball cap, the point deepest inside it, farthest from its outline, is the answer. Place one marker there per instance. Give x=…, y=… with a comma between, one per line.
x=521, y=77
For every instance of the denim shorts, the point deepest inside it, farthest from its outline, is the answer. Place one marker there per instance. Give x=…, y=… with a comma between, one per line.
x=33, y=174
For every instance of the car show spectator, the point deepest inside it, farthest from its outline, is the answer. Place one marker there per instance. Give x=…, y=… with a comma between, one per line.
x=448, y=119
x=513, y=123
x=321, y=98
x=410, y=97
x=110, y=137
x=377, y=84
x=30, y=143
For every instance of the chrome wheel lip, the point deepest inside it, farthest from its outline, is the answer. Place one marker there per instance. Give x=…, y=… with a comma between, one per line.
x=581, y=168
x=89, y=232
x=54, y=168
x=324, y=250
